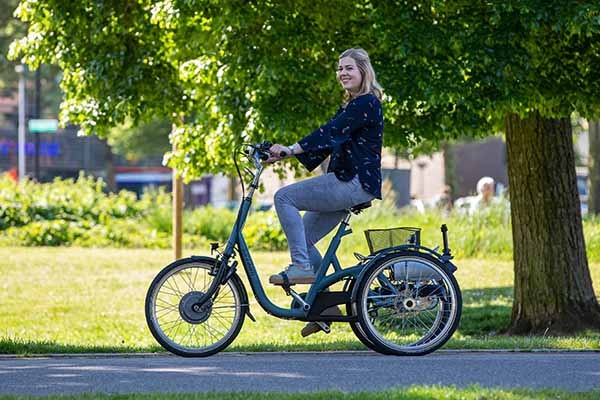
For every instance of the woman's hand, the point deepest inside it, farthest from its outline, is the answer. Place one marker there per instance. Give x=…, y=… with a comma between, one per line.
x=278, y=152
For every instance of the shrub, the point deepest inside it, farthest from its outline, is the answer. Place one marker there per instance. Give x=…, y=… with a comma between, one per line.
x=62, y=199
x=263, y=231
x=46, y=233
x=211, y=223
x=78, y=212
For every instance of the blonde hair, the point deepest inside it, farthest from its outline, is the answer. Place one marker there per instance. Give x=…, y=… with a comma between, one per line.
x=369, y=81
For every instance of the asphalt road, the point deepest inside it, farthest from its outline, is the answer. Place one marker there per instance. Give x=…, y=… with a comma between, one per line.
x=296, y=372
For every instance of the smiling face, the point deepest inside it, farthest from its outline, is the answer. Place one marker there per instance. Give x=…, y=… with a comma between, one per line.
x=349, y=75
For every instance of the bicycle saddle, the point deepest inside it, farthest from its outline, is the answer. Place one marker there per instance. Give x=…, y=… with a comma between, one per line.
x=359, y=207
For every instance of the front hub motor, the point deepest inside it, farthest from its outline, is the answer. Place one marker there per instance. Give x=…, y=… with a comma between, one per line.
x=191, y=311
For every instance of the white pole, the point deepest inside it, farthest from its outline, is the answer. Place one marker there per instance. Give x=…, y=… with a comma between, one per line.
x=20, y=69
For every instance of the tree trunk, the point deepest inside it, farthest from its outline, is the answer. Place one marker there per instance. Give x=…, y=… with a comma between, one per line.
x=449, y=168
x=553, y=290
x=594, y=168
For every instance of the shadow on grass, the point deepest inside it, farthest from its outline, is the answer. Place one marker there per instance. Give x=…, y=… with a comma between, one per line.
x=486, y=311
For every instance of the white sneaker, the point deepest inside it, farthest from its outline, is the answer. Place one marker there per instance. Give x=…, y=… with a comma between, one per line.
x=295, y=274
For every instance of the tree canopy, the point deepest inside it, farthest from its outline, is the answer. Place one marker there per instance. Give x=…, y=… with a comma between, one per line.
x=149, y=139
x=247, y=70
x=10, y=29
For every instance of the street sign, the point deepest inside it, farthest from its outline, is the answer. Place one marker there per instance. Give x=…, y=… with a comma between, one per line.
x=43, y=125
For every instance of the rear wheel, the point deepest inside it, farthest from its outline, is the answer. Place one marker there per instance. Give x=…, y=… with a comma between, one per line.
x=407, y=304
x=179, y=323
x=355, y=326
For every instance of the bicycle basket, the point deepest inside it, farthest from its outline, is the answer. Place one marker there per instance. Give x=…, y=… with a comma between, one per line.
x=379, y=239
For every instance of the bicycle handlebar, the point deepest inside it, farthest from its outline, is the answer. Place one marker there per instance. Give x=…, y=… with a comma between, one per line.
x=261, y=149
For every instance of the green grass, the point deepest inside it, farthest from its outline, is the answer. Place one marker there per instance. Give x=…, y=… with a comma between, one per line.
x=73, y=300
x=412, y=393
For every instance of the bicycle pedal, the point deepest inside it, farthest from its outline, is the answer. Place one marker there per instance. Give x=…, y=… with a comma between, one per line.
x=324, y=326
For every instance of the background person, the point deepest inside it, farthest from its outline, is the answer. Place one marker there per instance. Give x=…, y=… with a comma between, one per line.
x=485, y=196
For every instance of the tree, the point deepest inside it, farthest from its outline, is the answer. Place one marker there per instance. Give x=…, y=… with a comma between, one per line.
x=240, y=71
x=10, y=28
x=144, y=140
x=594, y=168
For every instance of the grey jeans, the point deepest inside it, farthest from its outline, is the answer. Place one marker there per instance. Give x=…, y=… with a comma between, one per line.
x=325, y=199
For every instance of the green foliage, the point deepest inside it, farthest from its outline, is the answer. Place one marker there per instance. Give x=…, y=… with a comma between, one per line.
x=81, y=200
x=79, y=212
x=245, y=71
x=10, y=28
x=135, y=142
x=116, y=62
x=47, y=233
x=212, y=223
x=263, y=231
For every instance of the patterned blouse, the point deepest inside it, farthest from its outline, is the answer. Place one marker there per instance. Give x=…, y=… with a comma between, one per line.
x=353, y=138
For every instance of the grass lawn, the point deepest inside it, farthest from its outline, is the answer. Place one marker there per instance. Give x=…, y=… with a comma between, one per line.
x=92, y=300
x=415, y=392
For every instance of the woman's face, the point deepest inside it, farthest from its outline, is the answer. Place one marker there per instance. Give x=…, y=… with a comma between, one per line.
x=349, y=74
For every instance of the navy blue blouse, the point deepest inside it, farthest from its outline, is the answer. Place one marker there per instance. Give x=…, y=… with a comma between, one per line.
x=353, y=138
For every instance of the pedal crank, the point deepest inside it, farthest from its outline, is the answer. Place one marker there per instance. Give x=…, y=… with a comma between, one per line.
x=298, y=298
x=324, y=326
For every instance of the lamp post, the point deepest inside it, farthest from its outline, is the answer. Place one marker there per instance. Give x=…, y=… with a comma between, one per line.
x=20, y=69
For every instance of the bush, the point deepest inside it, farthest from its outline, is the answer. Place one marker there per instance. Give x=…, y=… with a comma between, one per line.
x=211, y=223
x=263, y=231
x=46, y=233
x=79, y=212
x=62, y=199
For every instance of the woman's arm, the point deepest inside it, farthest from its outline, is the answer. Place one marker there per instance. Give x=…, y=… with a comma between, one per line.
x=362, y=111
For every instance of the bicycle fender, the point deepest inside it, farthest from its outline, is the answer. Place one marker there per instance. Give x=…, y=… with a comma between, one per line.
x=400, y=250
x=245, y=303
x=444, y=259
x=360, y=276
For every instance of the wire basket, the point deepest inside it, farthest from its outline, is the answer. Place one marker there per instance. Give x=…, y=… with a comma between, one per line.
x=379, y=239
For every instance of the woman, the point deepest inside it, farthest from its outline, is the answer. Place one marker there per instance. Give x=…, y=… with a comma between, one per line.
x=353, y=139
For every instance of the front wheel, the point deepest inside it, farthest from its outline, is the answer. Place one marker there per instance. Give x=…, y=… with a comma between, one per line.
x=179, y=323
x=408, y=304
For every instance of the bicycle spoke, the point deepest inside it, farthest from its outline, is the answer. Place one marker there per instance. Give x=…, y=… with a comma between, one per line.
x=215, y=326
x=171, y=291
x=185, y=277
x=405, y=307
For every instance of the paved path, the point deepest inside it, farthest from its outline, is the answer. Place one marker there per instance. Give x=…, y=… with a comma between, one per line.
x=292, y=372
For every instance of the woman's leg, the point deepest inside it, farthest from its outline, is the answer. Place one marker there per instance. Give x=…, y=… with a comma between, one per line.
x=316, y=226
x=322, y=194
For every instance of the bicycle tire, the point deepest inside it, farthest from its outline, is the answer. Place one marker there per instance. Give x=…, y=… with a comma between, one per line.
x=431, y=316
x=355, y=326
x=170, y=308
